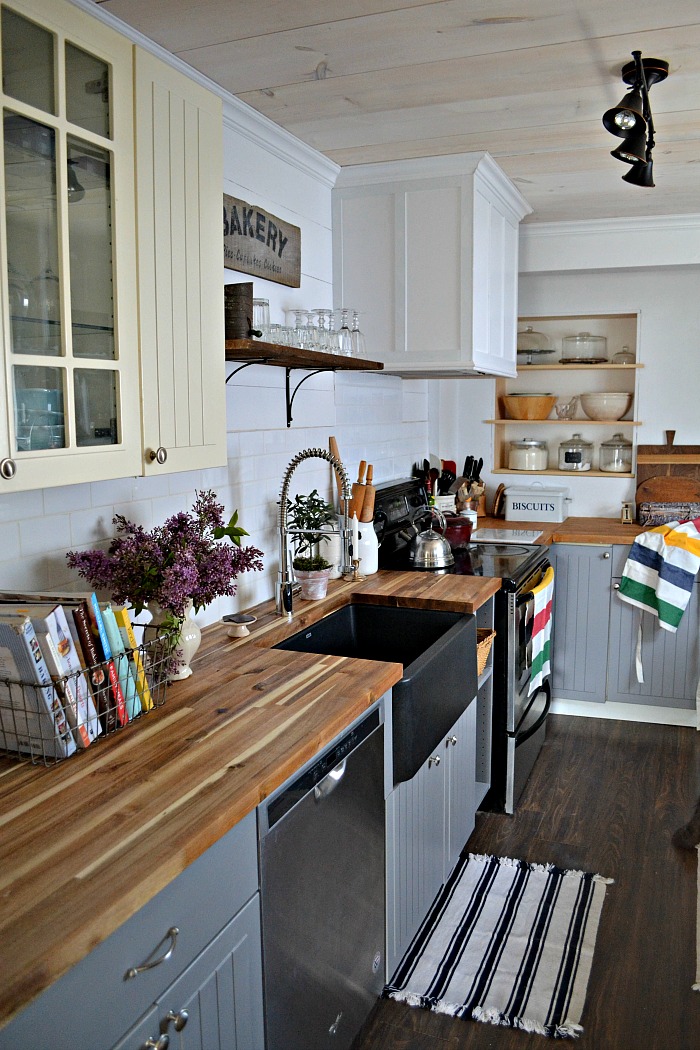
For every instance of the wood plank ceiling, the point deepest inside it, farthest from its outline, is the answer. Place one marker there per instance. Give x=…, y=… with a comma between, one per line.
x=375, y=80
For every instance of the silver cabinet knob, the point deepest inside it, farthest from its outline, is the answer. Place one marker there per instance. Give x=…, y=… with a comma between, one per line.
x=179, y=1019
x=159, y=455
x=434, y=760
x=451, y=740
x=616, y=586
x=8, y=468
x=606, y=554
x=162, y=1043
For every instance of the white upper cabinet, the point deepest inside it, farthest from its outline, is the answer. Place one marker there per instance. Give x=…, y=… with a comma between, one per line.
x=427, y=252
x=69, y=408
x=179, y=178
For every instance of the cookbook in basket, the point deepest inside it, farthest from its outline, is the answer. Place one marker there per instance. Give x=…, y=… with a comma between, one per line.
x=71, y=673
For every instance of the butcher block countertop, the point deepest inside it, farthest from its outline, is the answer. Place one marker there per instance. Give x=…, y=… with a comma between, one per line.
x=87, y=842
x=573, y=530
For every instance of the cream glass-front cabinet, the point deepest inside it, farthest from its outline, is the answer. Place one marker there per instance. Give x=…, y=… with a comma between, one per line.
x=110, y=234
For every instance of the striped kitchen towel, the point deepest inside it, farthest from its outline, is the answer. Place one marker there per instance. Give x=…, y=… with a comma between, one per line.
x=540, y=643
x=660, y=571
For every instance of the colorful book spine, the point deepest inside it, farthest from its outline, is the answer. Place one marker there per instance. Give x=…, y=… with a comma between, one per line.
x=32, y=718
x=102, y=644
x=129, y=638
x=65, y=687
x=122, y=663
x=94, y=668
x=69, y=661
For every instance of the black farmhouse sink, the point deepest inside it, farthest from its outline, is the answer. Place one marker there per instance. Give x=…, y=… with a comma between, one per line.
x=438, y=653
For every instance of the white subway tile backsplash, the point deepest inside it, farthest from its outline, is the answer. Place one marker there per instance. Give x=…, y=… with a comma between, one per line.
x=44, y=535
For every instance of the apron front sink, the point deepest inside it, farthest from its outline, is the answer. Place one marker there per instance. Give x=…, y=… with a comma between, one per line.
x=438, y=653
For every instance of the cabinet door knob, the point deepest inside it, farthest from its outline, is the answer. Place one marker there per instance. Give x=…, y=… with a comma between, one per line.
x=159, y=455
x=607, y=554
x=8, y=468
x=616, y=586
x=179, y=1019
x=434, y=760
x=452, y=740
x=162, y=1043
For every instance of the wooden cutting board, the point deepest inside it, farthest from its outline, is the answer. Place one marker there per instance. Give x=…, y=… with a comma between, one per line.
x=665, y=489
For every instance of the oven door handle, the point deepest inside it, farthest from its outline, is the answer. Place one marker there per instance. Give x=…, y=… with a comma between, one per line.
x=546, y=688
x=524, y=598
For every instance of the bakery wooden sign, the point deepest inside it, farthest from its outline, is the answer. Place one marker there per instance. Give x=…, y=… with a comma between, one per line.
x=257, y=242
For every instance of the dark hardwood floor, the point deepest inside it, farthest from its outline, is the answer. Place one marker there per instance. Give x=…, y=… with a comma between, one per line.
x=604, y=796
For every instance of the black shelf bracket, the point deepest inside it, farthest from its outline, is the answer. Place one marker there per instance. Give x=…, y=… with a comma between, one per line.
x=247, y=364
x=290, y=398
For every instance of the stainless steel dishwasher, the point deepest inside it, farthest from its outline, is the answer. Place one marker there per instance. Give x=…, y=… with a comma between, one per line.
x=322, y=863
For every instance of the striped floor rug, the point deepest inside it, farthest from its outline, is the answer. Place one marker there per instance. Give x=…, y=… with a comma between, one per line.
x=506, y=942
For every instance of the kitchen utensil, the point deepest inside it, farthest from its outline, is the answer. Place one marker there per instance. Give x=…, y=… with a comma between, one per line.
x=333, y=449
x=606, y=405
x=567, y=409
x=433, y=476
x=575, y=453
x=449, y=465
x=367, y=511
x=616, y=455
x=467, y=469
x=477, y=473
x=446, y=479
x=430, y=550
x=528, y=406
x=358, y=492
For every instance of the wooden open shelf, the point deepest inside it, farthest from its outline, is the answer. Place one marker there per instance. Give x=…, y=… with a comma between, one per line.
x=255, y=351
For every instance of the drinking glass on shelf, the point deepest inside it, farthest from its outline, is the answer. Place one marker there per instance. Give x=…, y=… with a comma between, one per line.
x=299, y=319
x=261, y=315
x=326, y=343
x=344, y=335
x=357, y=339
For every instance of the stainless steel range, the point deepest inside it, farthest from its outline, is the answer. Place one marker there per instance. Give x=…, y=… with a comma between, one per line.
x=519, y=716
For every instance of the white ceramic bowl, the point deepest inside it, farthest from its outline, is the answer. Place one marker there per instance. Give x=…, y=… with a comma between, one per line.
x=606, y=405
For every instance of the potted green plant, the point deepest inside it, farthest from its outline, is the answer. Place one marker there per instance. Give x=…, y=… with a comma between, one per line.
x=307, y=516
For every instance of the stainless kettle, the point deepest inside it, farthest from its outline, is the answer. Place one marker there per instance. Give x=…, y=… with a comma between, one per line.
x=429, y=550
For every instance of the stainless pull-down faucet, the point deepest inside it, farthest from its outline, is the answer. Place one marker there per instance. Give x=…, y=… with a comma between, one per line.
x=285, y=579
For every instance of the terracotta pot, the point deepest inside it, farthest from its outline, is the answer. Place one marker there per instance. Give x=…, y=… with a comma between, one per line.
x=314, y=583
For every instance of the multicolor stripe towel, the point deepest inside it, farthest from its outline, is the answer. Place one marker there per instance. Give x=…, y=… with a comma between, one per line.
x=540, y=643
x=660, y=571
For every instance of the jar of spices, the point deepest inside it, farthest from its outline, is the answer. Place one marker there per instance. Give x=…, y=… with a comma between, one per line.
x=575, y=454
x=528, y=454
x=616, y=455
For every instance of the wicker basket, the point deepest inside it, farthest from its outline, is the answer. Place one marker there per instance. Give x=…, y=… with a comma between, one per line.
x=484, y=641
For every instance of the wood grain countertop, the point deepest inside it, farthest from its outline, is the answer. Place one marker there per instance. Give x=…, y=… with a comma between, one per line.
x=573, y=530
x=87, y=842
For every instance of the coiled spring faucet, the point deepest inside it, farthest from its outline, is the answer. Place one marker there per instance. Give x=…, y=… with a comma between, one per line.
x=285, y=579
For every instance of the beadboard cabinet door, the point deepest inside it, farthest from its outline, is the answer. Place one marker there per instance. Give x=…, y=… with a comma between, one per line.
x=582, y=583
x=179, y=193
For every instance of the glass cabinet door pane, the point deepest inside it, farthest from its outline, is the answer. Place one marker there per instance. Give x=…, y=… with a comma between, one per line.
x=96, y=407
x=28, y=62
x=87, y=91
x=90, y=242
x=32, y=236
x=39, y=418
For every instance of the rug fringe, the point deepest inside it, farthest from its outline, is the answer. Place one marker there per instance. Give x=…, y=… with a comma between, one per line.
x=525, y=865
x=490, y=1015
x=696, y=988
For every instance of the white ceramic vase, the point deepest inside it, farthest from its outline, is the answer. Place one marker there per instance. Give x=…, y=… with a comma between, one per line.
x=368, y=549
x=187, y=643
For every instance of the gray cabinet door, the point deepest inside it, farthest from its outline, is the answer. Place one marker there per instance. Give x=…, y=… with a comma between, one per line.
x=219, y=996
x=670, y=662
x=415, y=853
x=460, y=786
x=580, y=622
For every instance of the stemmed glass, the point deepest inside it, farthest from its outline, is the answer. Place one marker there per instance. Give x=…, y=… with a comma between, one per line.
x=326, y=342
x=344, y=334
x=357, y=339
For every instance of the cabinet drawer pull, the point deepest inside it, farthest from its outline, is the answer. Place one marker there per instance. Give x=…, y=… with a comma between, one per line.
x=434, y=760
x=162, y=1043
x=150, y=963
x=179, y=1019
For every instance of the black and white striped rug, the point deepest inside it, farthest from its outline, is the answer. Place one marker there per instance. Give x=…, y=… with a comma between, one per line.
x=506, y=942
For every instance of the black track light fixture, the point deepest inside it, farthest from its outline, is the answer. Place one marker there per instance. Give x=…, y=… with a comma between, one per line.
x=632, y=121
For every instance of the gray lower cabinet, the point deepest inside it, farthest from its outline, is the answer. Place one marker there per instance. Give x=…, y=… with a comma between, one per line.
x=195, y=946
x=429, y=819
x=216, y=1004
x=581, y=620
x=595, y=636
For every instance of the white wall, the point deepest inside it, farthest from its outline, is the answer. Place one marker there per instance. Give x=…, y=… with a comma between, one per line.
x=374, y=417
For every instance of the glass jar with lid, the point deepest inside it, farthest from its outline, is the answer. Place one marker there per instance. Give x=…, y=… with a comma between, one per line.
x=527, y=454
x=584, y=349
x=575, y=454
x=616, y=455
x=531, y=343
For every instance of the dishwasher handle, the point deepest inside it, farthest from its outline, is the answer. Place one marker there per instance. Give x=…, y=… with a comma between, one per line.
x=330, y=782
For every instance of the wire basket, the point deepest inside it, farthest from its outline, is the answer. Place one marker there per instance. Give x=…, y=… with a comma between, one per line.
x=484, y=641
x=48, y=723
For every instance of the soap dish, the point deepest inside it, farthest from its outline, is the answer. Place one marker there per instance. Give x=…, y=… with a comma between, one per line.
x=238, y=624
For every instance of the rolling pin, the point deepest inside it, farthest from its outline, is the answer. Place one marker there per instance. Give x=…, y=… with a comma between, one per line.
x=333, y=449
x=358, y=492
x=367, y=512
